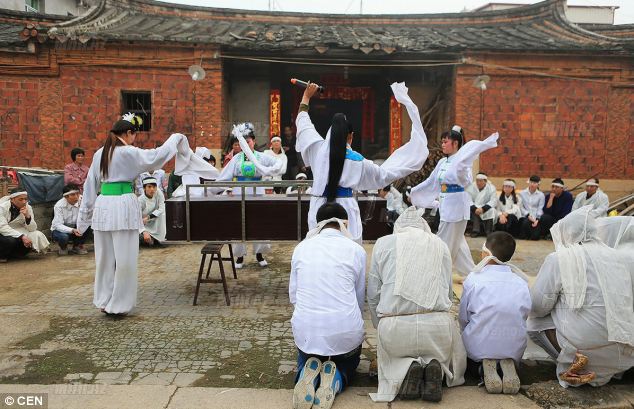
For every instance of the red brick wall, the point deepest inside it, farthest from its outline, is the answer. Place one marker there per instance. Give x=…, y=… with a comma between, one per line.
x=43, y=118
x=549, y=126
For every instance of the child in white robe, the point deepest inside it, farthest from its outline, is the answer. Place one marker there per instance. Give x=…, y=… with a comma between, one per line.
x=448, y=181
x=152, y=203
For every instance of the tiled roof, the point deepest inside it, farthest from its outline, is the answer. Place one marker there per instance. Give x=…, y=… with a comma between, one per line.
x=539, y=27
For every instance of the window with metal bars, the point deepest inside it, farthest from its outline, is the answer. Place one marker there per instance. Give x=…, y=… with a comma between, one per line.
x=139, y=103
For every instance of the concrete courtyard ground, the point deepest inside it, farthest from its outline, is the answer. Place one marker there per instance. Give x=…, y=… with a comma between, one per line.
x=170, y=354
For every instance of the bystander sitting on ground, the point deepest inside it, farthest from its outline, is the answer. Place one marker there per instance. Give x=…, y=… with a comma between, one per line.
x=18, y=229
x=593, y=196
x=64, y=225
x=558, y=205
x=532, y=208
x=152, y=204
x=508, y=211
x=483, y=194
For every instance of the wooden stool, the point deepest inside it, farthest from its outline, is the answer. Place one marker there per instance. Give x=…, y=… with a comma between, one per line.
x=215, y=249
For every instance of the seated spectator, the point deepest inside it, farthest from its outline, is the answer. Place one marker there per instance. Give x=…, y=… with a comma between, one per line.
x=152, y=203
x=235, y=149
x=292, y=190
x=159, y=175
x=493, y=310
x=582, y=312
x=327, y=289
x=558, y=205
x=483, y=195
x=409, y=297
x=595, y=197
x=75, y=173
x=395, y=205
x=64, y=225
x=508, y=209
x=18, y=229
x=532, y=208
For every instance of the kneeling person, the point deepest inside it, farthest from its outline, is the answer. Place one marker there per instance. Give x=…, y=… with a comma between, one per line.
x=409, y=296
x=327, y=288
x=493, y=312
x=18, y=230
x=64, y=225
x=152, y=204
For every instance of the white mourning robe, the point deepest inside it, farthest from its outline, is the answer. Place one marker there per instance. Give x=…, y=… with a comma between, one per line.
x=65, y=216
x=395, y=201
x=280, y=157
x=599, y=201
x=18, y=227
x=359, y=173
x=532, y=204
x=584, y=330
x=154, y=206
x=486, y=196
x=327, y=289
x=116, y=220
x=404, y=339
x=494, y=307
x=455, y=208
x=509, y=207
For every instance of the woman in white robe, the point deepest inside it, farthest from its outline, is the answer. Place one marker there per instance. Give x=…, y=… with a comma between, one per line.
x=277, y=152
x=356, y=173
x=584, y=291
x=508, y=209
x=448, y=181
x=409, y=297
x=153, y=212
x=111, y=207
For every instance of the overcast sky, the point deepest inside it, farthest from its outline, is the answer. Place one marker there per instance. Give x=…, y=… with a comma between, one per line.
x=624, y=15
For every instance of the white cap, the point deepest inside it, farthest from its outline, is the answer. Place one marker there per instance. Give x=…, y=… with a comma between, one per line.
x=147, y=181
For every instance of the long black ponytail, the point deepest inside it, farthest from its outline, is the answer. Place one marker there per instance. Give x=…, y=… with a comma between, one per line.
x=339, y=131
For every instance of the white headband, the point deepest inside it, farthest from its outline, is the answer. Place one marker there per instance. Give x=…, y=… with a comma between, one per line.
x=147, y=181
x=299, y=175
x=558, y=185
x=481, y=176
x=276, y=138
x=508, y=183
x=70, y=192
x=16, y=194
x=592, y=183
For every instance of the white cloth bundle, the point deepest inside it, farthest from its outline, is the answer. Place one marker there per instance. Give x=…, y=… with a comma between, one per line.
x=419, y=256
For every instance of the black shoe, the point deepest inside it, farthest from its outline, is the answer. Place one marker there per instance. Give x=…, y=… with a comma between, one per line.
x=432, y=386
x=411, y=386
x=259, y=257
x=240, y=260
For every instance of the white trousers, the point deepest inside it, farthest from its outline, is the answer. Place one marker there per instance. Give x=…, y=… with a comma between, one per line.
x=116, y=276
x=240, y=250
x=452, y=233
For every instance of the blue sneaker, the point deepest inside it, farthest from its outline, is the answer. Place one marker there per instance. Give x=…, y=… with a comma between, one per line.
x=304, y=392
x=331, y=384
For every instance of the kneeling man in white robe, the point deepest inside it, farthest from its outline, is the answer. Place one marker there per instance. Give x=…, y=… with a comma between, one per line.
x=582, y=312
x=152, y=203
x=409, y=296
x=493, y=310
x=327, y=289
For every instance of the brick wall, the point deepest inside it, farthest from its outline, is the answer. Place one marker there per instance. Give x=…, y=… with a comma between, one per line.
x=43, y=118
x=549, y=126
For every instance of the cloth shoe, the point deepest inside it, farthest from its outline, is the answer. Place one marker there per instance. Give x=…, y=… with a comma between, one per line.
x=492, y=380
x=413, y=382
x=331, y=384
x=304, y=391
x=261, y=261
x=432, y=385
x=510, y=380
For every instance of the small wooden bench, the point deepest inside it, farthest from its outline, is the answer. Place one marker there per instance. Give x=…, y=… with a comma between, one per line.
x=214, y=249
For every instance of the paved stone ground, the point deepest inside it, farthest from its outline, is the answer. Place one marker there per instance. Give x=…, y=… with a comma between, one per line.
x=53, y=335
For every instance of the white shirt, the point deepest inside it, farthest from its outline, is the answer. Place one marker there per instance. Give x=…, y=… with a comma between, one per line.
x=532, y=203
x=509, y=207
x=599, y=201
x=493, y=310
x=486, y=196
x=327, y=288
x=64, y=216
x=280, y=157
